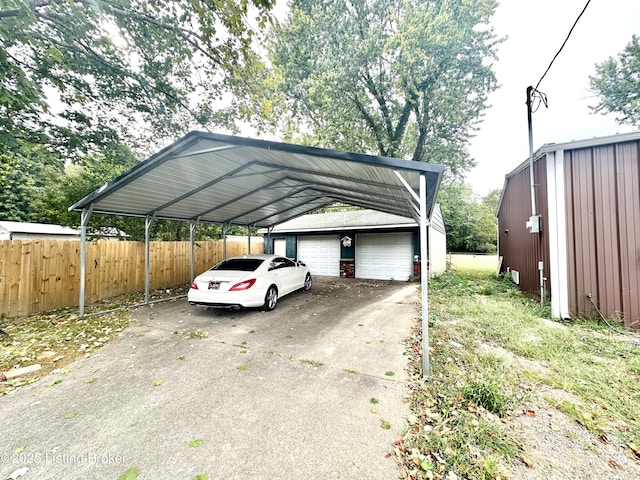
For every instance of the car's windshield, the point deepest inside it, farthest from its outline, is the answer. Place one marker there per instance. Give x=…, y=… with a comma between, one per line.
x=242, y=264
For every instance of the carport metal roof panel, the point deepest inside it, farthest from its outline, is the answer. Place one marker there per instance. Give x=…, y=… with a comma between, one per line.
x=227, y=179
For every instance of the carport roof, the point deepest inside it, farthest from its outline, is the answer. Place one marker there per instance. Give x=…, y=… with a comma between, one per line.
x=225, y=179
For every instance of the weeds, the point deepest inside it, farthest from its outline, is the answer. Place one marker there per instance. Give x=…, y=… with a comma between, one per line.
x=488, y=341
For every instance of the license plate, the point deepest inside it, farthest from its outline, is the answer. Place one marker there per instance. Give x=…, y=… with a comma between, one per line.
x=214, y=285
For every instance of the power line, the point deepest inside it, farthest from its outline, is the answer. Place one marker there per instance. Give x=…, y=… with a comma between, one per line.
x=563, y=44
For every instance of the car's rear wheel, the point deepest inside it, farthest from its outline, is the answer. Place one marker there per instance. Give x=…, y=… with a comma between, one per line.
x=308, y=281
x=271, y=298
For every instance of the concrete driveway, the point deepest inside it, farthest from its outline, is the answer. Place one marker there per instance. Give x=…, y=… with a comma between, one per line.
x=236, y=395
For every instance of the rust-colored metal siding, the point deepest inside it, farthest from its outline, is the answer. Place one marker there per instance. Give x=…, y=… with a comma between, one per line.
x=602, y=194
x=521, y=250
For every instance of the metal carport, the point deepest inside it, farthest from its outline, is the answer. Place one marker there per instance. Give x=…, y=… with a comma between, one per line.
x=222, y=179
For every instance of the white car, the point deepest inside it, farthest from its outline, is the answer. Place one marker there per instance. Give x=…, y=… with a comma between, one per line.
x=249, y=281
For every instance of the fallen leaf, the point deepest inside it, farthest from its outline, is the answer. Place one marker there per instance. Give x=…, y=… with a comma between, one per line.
x=18, y=450
x=526, y=460
x=634, y=449
x=613, y=464
x=195, y=443
x=604, y=439
x=530, y=413
x=157, y=383
x=71, y=415
x=554, y=427
x=130, y=474
x=385, y=425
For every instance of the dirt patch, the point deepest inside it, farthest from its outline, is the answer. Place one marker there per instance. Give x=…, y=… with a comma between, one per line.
x=558, y=448
x=554, y=445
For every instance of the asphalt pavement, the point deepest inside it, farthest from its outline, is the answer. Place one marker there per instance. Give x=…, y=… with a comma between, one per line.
x=304, y=391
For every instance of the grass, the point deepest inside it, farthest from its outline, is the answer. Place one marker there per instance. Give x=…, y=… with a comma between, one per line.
x=489, y=345
x=54, y=339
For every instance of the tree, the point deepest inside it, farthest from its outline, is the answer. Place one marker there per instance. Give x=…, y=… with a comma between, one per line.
x=617, y=84
x=20, y=177
x=80, y=79
x=79, y=75
x=470, y=223
x=401, y=78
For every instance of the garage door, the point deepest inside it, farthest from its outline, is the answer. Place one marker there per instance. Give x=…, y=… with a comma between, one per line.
x=321, y=254
x=384, y=256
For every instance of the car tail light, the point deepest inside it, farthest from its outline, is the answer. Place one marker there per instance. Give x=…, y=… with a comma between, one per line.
x=194, y=285
x=245, y=285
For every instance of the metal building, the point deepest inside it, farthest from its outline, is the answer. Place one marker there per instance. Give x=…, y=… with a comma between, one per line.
x=581, y=248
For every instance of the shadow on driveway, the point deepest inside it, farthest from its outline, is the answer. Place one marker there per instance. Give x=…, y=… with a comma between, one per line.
x=299, y=392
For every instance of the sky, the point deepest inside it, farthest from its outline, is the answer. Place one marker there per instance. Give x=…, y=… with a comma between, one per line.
x=535, y=32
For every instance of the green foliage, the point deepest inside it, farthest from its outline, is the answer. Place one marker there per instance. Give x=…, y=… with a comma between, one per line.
x=76, y=77
x=617, y=83
x=20, y=179
x=470, y=222
x=486, y=393
x=406, y=79
x=79, y=80
x=450, y=282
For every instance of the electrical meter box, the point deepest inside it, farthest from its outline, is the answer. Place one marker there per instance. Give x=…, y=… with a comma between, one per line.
x=534, y=224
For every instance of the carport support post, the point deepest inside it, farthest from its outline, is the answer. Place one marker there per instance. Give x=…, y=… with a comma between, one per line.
x=225, y=229
x=192, y=229
x=84, y=220
x=147, y=226
x=424, y=276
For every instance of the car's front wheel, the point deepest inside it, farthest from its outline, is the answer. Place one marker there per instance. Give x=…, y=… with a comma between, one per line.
x=307, y=282
x=270, y=299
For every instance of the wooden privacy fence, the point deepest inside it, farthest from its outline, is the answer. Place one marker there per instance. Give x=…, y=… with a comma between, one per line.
x=42, y=275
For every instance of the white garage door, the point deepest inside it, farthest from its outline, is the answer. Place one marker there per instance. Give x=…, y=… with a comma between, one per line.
x=321, y=254
x=384, y=256
x=280, y=247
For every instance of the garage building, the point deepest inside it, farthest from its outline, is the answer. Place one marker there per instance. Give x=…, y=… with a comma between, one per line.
x=360, y=244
